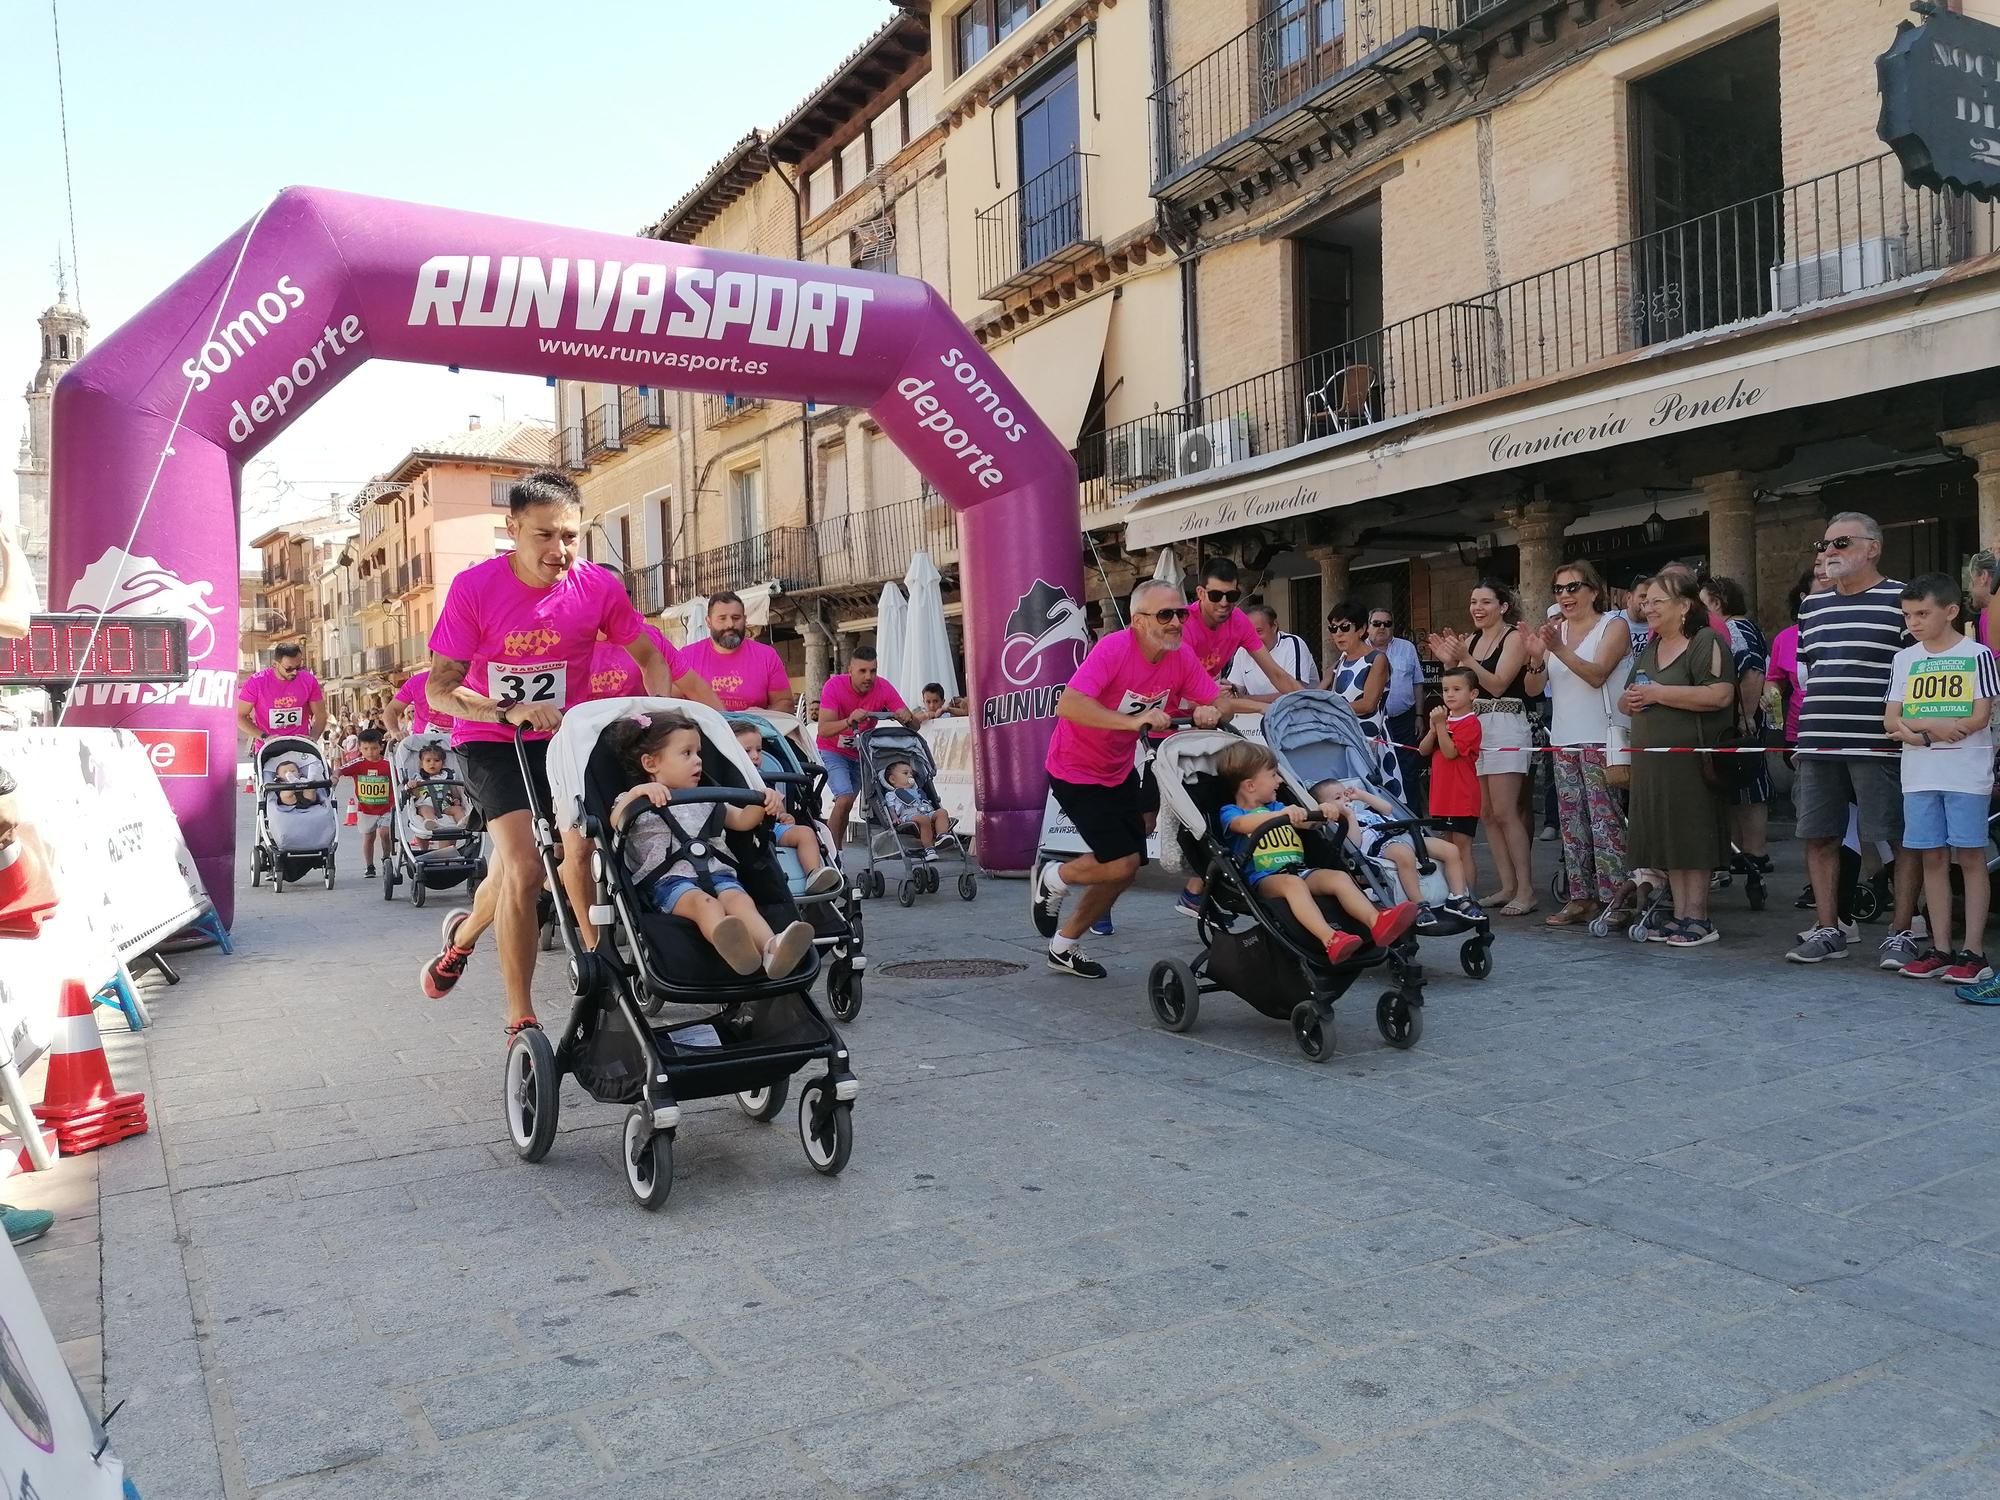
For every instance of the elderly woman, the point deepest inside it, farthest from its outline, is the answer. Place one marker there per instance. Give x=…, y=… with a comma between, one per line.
x=1680, y=696
x=1580, y=658
x=1498, y=657
x=1750, y=656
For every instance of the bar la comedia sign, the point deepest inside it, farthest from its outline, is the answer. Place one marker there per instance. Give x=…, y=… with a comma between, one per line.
x=1940, y=84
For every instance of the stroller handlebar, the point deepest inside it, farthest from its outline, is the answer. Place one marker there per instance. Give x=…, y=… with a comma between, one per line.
x=729, y=796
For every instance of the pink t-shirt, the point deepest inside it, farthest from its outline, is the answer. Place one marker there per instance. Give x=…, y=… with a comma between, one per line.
x=614, y=674
x=280, y=707
x=751, y=676
x=1216, y=648
x=536, y=644
x=1784, y=669
x=422, y=715
x=839, y=699
x=1117, y=674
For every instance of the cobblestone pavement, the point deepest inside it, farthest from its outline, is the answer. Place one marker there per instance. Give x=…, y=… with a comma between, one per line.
x=1628, y=1223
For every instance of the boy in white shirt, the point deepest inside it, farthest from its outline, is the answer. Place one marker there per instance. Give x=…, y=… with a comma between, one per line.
x=1940, y=708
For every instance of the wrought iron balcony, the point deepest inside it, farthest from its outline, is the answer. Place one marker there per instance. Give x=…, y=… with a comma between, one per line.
x=722, y=409
x=641, y=411
x=867, y=547
x=1852, y=230
x=601, y=432
x=783, y=556
x=382, y=658
x=569, y=449
x=1043, y=224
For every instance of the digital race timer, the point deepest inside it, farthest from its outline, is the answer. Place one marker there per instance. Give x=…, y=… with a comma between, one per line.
x=59, y=650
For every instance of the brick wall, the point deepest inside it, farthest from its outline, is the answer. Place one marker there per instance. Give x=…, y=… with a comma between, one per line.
x=1196, y=28
x=1245, y=307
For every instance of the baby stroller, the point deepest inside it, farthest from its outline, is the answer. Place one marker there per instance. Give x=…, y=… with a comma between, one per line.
x=755, y=1033
x=879, y=748
x=1317, y=738
x=293, y=839
x=455, y=852
x=835, y=915
x=1253, y=948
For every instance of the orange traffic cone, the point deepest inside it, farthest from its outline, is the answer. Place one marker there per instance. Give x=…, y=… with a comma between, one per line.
x=78, y=1100
x=27, y=895
x=352, y=819
x=14, y=1155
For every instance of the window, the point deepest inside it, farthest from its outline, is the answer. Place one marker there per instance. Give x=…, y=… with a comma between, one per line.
x=833, y=480
x=746, y=503
x=984, y=23
x=500, y=486
x=886, y=133
x=819, y=191
x=854, y=162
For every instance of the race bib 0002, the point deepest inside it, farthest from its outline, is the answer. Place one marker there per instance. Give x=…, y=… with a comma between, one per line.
x=1942, y=687
x=529, y=682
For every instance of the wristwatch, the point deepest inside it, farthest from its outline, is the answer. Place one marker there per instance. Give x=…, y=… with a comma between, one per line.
x=1925, y=735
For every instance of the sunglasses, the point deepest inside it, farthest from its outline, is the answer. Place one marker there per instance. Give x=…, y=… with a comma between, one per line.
x=1341, y=627
x=1566, y=589
x=1380, y=624
x=1223, y=596
x=1171, y=616
x=1835, y=543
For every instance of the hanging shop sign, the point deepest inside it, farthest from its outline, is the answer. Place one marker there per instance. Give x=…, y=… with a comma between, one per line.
x=1940, y=85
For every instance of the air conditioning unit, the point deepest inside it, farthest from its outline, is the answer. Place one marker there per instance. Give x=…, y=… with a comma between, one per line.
x=1214, y=446
x=1141, y=457
x=1838, y=272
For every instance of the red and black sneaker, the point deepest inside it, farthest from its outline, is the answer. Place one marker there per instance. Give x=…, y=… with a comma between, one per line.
x=1341, y=947
x=444, y=971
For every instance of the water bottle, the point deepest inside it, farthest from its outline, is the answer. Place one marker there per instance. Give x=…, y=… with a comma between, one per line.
x=1640, y=679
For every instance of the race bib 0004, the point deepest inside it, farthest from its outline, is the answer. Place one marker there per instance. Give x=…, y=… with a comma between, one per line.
x=1942, y=687
x=529, y=682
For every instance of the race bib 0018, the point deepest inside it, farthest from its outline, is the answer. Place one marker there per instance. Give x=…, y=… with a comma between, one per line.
x=1942, y=687
x=287, y=718
x=529, y=682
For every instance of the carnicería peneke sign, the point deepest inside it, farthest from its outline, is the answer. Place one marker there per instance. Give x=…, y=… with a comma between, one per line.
x=1940, y=86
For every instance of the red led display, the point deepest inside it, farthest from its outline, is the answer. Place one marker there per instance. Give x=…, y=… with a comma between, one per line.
x=84, y=647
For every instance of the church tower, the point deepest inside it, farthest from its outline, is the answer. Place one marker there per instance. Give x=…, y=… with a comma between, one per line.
x=64, y=331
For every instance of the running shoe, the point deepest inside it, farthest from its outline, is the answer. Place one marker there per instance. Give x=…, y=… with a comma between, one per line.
x=25, y=1224
x=1931, y=966
x=1692, y=932
x=444, y=971
x=1818, y=945
x=369, y=873
x=822, y=880
x=1980, y=994
x=1189, y=904
x=1102, y=927
x=1072, y=961
x=1048, y=902
x=1966, y=968
x=1898, y=949
x=1846, y=929
x=1805, y=901
x=930, y=856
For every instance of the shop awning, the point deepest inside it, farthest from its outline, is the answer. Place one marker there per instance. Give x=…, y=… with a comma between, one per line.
x=1055, y=365
x=1840, y=354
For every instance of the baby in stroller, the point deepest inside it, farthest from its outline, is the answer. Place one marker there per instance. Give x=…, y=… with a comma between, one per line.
x=289, y=770
x=437, y=801
x=803, y=842
x=911, y=811
x=678, y=855
x=1274, y=866
x=1362, y=816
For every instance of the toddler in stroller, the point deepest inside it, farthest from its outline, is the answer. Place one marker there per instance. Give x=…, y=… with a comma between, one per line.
x=913, y=812
x=437, y=801
x=1368, y=821
x=298, y=828
x=888, y=813
x=819, y=877
x=435, y=840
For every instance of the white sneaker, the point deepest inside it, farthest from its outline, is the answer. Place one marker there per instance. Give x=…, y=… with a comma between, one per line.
x=1849, y=930
x=930, y=856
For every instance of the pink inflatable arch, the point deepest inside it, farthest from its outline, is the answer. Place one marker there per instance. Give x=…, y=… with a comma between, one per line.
x=153, y=427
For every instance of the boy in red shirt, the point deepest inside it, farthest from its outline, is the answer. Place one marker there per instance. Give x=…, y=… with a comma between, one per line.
x=1452, y=744
x=374, y=795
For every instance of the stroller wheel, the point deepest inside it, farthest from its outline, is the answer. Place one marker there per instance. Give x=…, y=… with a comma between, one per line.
x=878, y=885
x=551, y=936
x=1638, y=932
x=1400, y=1022
x=329, y=875
x=926, y=880
x=1600, y=926
x=1753, y=891
x=388, y=880
x=763, y=1104
x=532, y=1102
x=649, y=1158
x=1559, y=885
x=826, y=1128
x=1868, y=901
x=906, y=893
x=843, y=989
x=1174, y=993
x=1315, y=1037
x=417, y=895
x=968, y=886
x=1476, y=958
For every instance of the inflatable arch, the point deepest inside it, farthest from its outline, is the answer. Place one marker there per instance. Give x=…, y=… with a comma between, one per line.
x=153, y=427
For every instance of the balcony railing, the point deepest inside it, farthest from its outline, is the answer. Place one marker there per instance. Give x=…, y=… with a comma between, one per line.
x=569, y=449
x=1849, y=231
x=718, y=410
x=381, y=658
x=783, y=556
x=1269, y=69
x=1044, y=223
x=641, y=411
x=601, y=432
x=871, y=546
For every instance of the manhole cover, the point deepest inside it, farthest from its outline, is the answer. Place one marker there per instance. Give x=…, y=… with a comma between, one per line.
x=953, y=968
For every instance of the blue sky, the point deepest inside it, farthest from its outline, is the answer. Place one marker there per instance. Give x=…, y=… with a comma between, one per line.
x=185, y=118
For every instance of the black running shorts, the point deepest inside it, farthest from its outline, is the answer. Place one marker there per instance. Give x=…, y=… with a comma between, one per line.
x=1111, y=820
x=493, y=776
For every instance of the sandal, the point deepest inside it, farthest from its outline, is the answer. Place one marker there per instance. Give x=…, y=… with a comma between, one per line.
x=1516, y=909
x=1573, y=914
x=515, y=1028
x=1497, y=899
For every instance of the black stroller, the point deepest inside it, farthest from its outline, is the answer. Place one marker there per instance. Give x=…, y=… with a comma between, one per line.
x=757, y=1032
x=299, y=835
x=1255, y=949
x=836, y=914
x=880, y=748
x=453, y=853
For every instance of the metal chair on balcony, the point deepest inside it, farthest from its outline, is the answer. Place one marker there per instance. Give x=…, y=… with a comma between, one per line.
x=1346, y=400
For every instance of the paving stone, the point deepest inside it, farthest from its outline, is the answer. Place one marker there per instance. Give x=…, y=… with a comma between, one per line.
x=1704, y=1474
x=1858, y=1440
x=533, y=1464
x=1805, y=1343
x=1361, y=1251
x=1191, y=1360
x=1199, y=1450
x=1563, y=1262
x=1466, y=1461
x=1402, y=1385
x=1613, y=1415
x=943, y=1430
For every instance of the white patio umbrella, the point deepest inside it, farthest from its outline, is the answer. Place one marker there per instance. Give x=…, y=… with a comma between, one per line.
x=892, y=615
x=1168, y=568
x=926, y=645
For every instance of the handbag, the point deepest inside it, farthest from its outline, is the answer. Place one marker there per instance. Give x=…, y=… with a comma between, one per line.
x=1617, y=727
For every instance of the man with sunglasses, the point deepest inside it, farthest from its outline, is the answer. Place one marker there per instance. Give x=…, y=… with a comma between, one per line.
x=1406, y=677
x=1849, y=635
x=1217, y=629
x=1123, y=689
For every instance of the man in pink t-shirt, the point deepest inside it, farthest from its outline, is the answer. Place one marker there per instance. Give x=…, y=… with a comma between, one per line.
x=614, y=674
x=1217, y=629
x=745, y=674
x=849, y=704
x=1123, y=688
x=512, y=648
x=412, y=709
x=284, y=698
